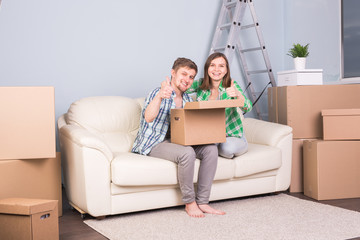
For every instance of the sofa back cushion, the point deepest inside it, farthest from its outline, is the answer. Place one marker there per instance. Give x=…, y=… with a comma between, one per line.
x=114, y=119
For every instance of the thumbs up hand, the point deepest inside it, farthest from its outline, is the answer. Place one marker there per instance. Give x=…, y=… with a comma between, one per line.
x=166, y=89
x=232, y=91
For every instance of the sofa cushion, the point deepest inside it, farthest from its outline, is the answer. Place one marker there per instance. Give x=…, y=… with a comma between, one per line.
x=114, y=119
x=259, y=158
x=131, y=169
x=263, y=132
x=126, y=167
x=225, y=169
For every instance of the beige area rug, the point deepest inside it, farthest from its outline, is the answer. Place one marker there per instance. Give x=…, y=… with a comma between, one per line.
x=270, y=217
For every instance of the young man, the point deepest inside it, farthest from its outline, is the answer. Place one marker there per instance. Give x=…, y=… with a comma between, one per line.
x=153, y=139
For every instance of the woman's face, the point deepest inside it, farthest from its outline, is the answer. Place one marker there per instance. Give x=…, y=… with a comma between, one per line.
x=217, y=69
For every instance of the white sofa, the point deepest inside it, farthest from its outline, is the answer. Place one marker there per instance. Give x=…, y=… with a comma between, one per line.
x=102, y=177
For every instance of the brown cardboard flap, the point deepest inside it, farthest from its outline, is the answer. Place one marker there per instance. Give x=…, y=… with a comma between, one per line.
x=26, y=206
x=213, y=104
x=340, y=112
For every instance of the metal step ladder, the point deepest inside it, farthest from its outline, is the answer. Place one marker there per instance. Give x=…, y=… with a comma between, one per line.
x=227, y=40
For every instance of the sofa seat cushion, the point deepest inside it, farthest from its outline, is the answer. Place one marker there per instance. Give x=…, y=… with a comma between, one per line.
x=225, y=169
x=259, y=158
x=131, y=169
x=117, y=189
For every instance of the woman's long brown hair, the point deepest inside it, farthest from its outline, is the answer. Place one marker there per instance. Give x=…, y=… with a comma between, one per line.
x=206, y=84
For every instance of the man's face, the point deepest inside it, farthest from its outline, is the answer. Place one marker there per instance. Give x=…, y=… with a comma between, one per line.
x=183, y=78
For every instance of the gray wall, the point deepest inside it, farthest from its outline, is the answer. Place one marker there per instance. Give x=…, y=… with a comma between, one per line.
x=318, y=23
x=113, y=47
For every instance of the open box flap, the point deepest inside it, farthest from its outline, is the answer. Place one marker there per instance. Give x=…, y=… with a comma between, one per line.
x=213, y=104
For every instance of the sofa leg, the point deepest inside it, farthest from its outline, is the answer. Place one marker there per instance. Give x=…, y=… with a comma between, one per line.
x=73, y=206
x=278, y=192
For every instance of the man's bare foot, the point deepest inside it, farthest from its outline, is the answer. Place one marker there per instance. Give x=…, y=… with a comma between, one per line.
x=193, y=210
x=207, y=209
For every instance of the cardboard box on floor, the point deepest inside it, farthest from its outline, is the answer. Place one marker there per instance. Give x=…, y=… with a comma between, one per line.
x=296, y=184
x=38, y=178
x=341, y=124
x=331, y=169
x=300, y=106
x=200, y=122
x=27, y=122
x=28, y=219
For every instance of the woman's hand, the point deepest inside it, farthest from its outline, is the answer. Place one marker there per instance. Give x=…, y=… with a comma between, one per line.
x=233, y=92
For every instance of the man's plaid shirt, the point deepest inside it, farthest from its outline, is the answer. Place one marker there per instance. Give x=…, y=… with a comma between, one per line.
x=234, y=126
x=154, y=132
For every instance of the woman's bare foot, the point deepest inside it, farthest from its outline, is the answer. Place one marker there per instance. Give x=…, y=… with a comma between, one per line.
x=193, y=210
x=207, y=209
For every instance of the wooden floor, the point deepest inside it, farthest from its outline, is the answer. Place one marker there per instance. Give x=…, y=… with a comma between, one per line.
x=72, y=227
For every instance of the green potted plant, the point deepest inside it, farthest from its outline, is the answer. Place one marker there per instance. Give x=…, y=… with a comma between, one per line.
x=299, y=53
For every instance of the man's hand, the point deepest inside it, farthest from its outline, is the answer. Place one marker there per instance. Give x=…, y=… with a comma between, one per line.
x=166, y=89
x=153, y=108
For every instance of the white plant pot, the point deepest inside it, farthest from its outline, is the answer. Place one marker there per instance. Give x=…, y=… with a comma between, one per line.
x=299, y=63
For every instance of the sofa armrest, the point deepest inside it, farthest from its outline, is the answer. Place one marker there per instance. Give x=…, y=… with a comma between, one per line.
x=265, y=133
x=86, y=161
x=61, y=121
x=84, y=138
x=275, y=135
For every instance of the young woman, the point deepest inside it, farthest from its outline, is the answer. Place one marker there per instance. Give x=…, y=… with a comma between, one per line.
x=217, y=85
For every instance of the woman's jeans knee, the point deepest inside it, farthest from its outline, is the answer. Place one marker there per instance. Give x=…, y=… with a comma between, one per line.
x=233, y=147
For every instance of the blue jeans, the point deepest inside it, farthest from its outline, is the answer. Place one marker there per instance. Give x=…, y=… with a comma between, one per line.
x=233, y=147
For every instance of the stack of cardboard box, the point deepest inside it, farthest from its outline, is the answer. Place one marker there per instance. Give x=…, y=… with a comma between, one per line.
x=332, y=165
x=323, y=169
x=30, y=168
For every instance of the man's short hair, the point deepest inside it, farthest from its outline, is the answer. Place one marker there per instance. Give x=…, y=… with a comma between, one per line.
x=184, y=62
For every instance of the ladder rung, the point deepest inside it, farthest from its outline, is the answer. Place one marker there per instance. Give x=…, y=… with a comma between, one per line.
x=235, y=11
x=230, y=4
x=224, y=26
x=248, y=26
x=251, y=49
x=219, y=48
x=257, y=71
